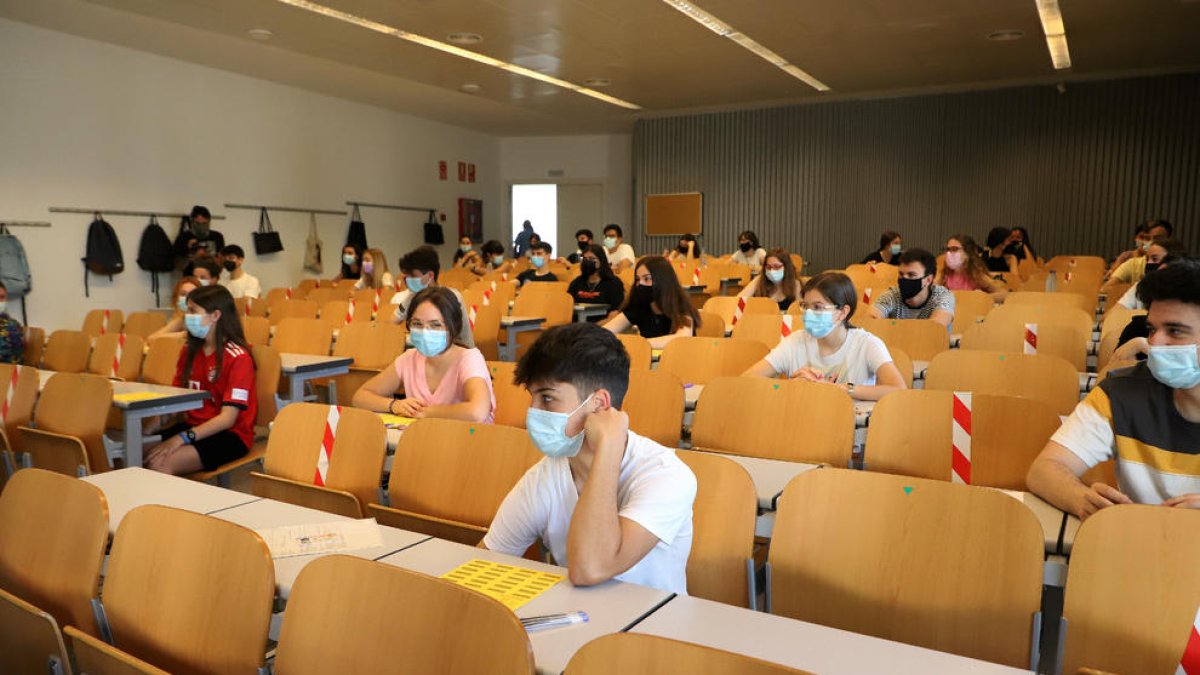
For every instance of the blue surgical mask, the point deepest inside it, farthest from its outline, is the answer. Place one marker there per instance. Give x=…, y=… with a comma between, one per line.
x=537, y=261
x=548, y=431
x=415, y=284
x=181, y=304
x=1175, y=365
x=895, y=249
x=430, y=342
x=775, y=276
x=465, y=248
x=610, y=242
x=349, y=259
x=818, y=323
x=497, y=260
x=204, y=282
x=3, y=306
x=196, y=326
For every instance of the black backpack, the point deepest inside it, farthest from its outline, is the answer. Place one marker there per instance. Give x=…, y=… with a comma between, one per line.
x=433, y=231
x=103, y=252
x=357, y=234
x=155, y=254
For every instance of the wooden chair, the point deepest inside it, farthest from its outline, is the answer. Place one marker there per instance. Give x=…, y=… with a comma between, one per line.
x=256, y=329
x=333, y=313
x=723, y=306
x=53, y=532
x=20, y=407
x=1132, y=590
x=1004, y=333
x=721, y=564
x=697, y=360
x=501, y=295
x=654, y=403
x=431, y=625
x=1111, y=366
x=456, y=277
x=189, y=593
x=449, y=477
x=788, y=420
x=323, y=296
x=302, y=336
x=373, y=348
x=162, y=360
x=641, y=653
x=486, y=329
x=948, y=567
x=67, y=351
x=117, y=355
x=1037, y=376
x=765, y=328
x=910, y=435
x=275, y=295
x=103, y=321
x=1053, y=301
x=711, y=325
x=970, y=307
x=557, y=307
x=30, y=642
x=35, y=345
x=639, y=351
x=1045, y=314
x=70, y=418
x=544, y=287
x=922, y=339
x=512, y=400
x=96, y=657
x=142, y=324
x=371, y=304
x=295, y=447
x=292, y=309
x=1070, y=263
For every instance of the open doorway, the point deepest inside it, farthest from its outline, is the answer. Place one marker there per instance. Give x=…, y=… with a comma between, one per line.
x=538, y=204
x=556, y=211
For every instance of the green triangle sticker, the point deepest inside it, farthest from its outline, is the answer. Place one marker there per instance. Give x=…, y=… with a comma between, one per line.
x=471, y=431
x=775, y=386
x=908, y=489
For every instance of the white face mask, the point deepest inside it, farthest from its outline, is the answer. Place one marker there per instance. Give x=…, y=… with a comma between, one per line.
x=204, y=282
x=3, y=306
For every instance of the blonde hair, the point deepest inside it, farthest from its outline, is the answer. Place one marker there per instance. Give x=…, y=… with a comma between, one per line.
x=378, y=269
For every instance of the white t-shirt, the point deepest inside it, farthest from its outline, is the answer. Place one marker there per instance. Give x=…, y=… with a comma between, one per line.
x=754, y=259
x=404, y=297
x=856, y=361
x=385, y=281
x=1130, y=298
x=655, y=490
x=245, y=286
x=623, y=252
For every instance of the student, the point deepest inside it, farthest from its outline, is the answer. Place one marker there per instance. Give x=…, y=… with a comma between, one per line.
x=375, y=272
x=241, y=284
x=204, y=243
x=583, y=239
x=466, y=256
x=534, y=239
x=420, y=268
x=749, y=252
x=205, y=272
x=523, y=239
x=915, y=296
x=493, y=259
x=1141, y=242
x=829, y=349
x=1160, y=252
x=606, y=502
x=351, y=263
x=1133, y=269
x=539, y=270
x=596, y=282
x=889, y=249
x=657, y=305
x=12, y=335
x=964, y=269
x=175, y=325
x=777, y=282
x=440, y=378
x=218, y=361
x=998, y=259
x=620, y=255
x=1020, y=248
x=687, y=250
x=1146, y=418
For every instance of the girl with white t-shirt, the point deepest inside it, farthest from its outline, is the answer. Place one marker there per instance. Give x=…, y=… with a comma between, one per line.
x=375, y=272
x=749, y=252
x=829, y=350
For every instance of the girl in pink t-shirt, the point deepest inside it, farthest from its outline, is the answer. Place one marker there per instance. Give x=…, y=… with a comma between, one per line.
x=963, y=269
x=440, y=378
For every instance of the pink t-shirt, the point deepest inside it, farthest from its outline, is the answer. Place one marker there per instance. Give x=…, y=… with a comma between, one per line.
x=956, y=281
x=410, y=367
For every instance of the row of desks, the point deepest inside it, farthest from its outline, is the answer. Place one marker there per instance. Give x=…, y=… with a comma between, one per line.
x=611, y=607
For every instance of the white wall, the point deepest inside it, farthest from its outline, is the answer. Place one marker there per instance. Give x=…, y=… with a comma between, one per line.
x=85, y=123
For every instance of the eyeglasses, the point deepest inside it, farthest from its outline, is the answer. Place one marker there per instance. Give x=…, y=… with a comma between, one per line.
x=953, y=249
x=417, y=324
x=774, y=267
x=820, y=307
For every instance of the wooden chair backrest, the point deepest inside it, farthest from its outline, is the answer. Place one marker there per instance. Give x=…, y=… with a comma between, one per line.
x=35, y=345
x=641, y=653
x=293, y=309
x=371, y=346
x=456, y=277
x=1108, y=345
x=117, y=355
x=162, y=360
x=512, y=400
x=1045, y=314
x=359, y=446
x=788, y=420
x=30, y=642
x=543, y=287
x=365, y=300
x=431, y=622
x=142, y=324
x=764, y=328
x=53, y=532
x=948, y=567
x=188, y=592
x=970, y=307
x=654, y=403
x=910, y=435
x=1117, y=317
x=67, y=351
x=256, y=307
x=456, y=470
x=256, y=329
x=77, y=405
x=486, y=330
x=333, y=313
x=1037, y=376
x=922, y=339
x=501, y=295
x=759, y=305
x=277, y=295
x=1052, y=301
x=557, y=307
x=1132, y=589
x=1007, y=334
x=302, y=336
x=711, y=325
x=323, y=296
x=1073, y=263
x=267, y=369
x=96, y=657
x=903, y=363
x=698, y=360
x=345, y=285
x=723, y=517
x=639, y=351
x=99, y=322
x=724, y=306
x=20, y=406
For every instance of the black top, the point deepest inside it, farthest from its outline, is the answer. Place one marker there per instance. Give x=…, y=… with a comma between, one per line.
x=649, y=324
x=1136, y=328
x=784, y=304
x=875, y=257
x=609, y=290
x=531, y=275
x=996, y=264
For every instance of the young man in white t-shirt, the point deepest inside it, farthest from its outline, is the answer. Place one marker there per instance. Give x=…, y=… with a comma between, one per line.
x=620, y=255
x=241, y=284
x=606, y=502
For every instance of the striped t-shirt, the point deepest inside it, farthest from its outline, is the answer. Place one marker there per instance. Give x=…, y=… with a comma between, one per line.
x=1131, y=417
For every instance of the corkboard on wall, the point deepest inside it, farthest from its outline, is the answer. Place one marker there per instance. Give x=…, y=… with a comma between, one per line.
x=680, y=213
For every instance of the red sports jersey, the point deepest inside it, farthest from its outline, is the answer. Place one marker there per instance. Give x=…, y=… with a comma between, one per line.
x=235, y=387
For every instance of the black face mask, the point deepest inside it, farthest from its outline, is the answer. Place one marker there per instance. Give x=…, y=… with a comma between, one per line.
x=910, y=288
x=588, y=267
x=745, y=246
x=642, y=295
x=229, y=265
x=683, y=248
x=1150, y=267
x=583, y=245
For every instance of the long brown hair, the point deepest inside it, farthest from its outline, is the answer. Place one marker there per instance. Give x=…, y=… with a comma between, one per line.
x=973, y=266
x=670, y=297
x=789, y=286
x=228, y=327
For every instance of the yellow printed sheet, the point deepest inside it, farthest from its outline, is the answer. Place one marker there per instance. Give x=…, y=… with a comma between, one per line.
x=395, y=421
x=130, y=397
x=513, y=586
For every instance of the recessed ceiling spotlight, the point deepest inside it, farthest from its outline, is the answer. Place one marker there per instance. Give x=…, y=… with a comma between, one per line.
x=1006, y=35
x=471, y=88
x=464, y=38
x=260, y=34
x=597, y=82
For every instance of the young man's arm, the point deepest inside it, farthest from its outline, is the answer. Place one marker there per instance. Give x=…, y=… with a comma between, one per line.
x=1055, y=477
x=942, y=316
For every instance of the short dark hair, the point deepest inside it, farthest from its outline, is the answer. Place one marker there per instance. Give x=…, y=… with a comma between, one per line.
x=585, y=232
x=492, y=247
x=543, y=246
x=209, y=265
x=421, y=260
x=234, y=250
x=1142, y=228
x=919, y=255
x=1178, y=281
x=1151, y=224
x=887, y=238
x=749, y=236
x=446, y=303
x=581, y=354
x=1175, y=249
x=200, y=212
x=997, y=235
x=615, y=228
x=838, y=288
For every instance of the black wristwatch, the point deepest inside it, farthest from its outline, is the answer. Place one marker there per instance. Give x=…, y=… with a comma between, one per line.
x=188, y=436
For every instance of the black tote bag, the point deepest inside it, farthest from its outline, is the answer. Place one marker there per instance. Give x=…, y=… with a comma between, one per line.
x=266, y=240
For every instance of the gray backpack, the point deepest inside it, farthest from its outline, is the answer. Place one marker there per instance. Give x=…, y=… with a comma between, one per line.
x=14, y=268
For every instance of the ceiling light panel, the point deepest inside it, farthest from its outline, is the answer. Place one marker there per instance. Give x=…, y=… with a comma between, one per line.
x=1056, y=33
x=746, y=42
x=447, y=48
